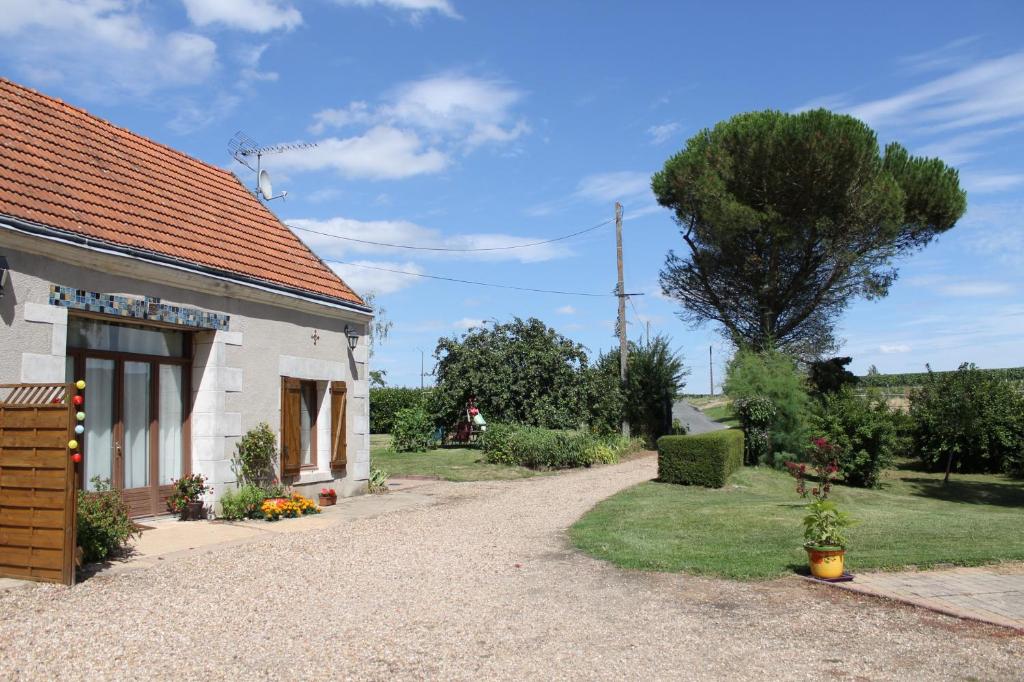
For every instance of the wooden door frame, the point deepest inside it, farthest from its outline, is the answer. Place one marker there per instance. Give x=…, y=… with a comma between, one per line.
x=157, y=492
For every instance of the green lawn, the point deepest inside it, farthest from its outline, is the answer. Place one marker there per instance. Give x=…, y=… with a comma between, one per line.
x=450, y=464
x=751, y=528
x=723, y=414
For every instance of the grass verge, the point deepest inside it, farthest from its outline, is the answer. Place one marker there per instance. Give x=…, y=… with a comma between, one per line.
x=751, y=529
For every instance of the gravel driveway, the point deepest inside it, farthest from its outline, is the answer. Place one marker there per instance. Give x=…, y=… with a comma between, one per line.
x=482, y=585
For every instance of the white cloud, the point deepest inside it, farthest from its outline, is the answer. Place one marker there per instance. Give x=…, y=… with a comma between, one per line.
x=411, y=234
x=964, y=147
x=417, y=8
x=978, y=288
x=101, y=49
x=258, y=16
x=632, y=188
x=889, y=348
x=468, y=323
x=366, y=279
x=354, y=113
x=662, y=133
x=942, y=58
x=566, y=310
x=249, y=58
x=985, y=92
x=985, y=183
x=381, y=153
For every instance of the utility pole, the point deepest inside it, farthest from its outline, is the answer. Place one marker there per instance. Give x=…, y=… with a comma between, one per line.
x=711, y=371
x=623, y=346
x=422, y=374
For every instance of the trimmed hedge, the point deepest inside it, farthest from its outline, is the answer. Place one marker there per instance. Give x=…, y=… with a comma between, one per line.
x=386, y=403
x=706, y=459
x=537, y=448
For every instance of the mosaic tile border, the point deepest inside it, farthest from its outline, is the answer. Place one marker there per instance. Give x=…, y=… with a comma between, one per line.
x=136, y=308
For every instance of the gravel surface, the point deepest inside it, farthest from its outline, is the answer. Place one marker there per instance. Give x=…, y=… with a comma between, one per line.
x=482, y=585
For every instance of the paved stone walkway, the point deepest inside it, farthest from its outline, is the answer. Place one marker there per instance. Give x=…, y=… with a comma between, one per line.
x=991, y=594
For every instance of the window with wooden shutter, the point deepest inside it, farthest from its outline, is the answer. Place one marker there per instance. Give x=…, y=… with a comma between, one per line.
x=339, y=424
x=291, y=433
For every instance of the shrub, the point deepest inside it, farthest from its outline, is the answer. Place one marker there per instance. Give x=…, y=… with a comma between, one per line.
x=378, y=481
x=539, y=448
x=864, y=431
x=773, y=375
x=243, y=503
x=969, y=421
x=706, y=459
x=255, y=456
x=413, y=431
x=756, y=415
x=386, y=403
x=830, y=376
x=104, y=528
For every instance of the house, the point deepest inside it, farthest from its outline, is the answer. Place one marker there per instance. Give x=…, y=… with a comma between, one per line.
x=190, y=310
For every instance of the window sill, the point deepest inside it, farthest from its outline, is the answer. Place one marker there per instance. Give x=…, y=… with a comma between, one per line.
x=312, y=476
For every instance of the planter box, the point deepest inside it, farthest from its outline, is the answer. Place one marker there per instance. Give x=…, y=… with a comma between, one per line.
x=327, y=500
x=193, y=511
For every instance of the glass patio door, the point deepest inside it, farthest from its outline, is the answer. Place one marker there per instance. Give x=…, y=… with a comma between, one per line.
x=100, y=374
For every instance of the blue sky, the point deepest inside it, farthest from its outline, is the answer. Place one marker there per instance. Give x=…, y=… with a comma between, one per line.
x=470, y=124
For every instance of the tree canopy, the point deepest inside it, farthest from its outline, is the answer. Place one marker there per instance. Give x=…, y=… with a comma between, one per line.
x=521, y=372
x=789, y=217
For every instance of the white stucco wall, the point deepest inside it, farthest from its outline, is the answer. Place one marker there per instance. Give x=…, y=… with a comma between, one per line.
x=236, y=374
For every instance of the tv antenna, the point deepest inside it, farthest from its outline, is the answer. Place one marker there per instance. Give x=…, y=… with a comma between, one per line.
x=243, y=148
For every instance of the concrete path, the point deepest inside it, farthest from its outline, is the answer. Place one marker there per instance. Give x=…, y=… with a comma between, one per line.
x=694, y=419
x=481, y=583
x=991, y=594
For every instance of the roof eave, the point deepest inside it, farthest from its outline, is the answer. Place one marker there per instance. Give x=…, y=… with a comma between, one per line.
x=68, y=237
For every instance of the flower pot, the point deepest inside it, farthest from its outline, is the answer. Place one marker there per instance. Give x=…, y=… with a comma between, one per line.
x=327, y=500
x=193, y=511
x=826, y=562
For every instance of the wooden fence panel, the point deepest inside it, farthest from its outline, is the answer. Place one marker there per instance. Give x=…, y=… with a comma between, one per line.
x=37, y=482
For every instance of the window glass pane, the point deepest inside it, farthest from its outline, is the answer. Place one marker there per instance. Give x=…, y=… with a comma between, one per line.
x=136, y=424
x=96, y=335
x=172, y=412
x=69, y=369
x=99, y=420
x=307, y=412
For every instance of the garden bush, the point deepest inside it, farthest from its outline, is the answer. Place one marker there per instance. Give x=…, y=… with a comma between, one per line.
x=538, y=448
x=773, y=375
x=756, y=414
x=706, y=459
x=243, y=503
x=386, y=403
x=104, y=528
x=969, y=421
x=865, y=432
x=413, y=431
x=255, y=456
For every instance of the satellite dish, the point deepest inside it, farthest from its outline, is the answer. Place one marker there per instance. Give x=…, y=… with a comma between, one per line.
x=266, y=189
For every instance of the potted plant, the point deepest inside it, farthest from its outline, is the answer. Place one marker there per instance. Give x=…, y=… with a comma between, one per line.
x=185, y=500
x=327, y=497
x=825, y=541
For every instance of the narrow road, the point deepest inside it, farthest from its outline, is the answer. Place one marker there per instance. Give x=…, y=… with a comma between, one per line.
x=481, y=585
x=695, y=420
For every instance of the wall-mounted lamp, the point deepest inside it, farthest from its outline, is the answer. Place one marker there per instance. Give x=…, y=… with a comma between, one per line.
x=353, y=337
x=5, y=274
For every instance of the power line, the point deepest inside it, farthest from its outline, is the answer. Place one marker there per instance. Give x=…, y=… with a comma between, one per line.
x=481, y=284
x=441, y=248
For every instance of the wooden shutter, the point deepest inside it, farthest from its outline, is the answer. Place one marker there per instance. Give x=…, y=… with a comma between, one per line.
x=291, y=436
x=339, y=424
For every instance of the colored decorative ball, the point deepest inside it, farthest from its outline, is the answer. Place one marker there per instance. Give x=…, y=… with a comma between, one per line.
x=78, y=400
x=76, y=458
x=80, y=384
x=79, y=429
x=72, y=444
x=80, y=416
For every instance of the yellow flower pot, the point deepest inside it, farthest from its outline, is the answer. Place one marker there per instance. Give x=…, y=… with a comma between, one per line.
x=826, y=562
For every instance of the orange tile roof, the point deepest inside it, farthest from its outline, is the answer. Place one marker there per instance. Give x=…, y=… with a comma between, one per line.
x=63, y=168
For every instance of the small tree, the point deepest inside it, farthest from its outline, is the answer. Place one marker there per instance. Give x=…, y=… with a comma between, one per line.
x=521, y=372
x=255, y=456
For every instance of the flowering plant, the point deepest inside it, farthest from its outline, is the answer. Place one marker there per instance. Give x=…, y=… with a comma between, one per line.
x=328, y=492
x=288, y=507
x=823, y=461
x=824, y=525
x=187, y=489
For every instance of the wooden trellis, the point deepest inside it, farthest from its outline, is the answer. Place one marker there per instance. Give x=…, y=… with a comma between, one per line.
x=37, y=482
